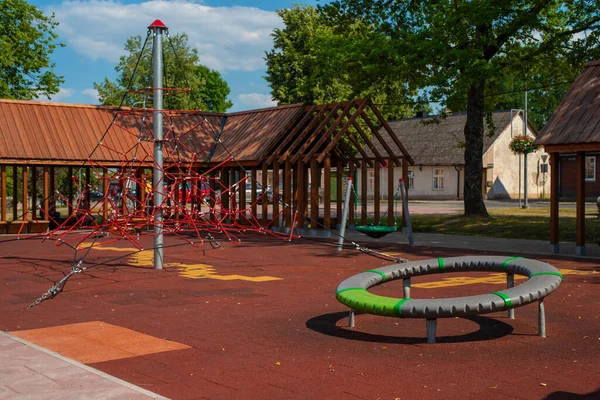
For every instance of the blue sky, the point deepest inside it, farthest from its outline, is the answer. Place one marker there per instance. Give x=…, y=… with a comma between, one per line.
x=230, y=35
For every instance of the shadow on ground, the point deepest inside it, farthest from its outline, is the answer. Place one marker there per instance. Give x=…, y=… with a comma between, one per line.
x=573, y=396
x=489, y=329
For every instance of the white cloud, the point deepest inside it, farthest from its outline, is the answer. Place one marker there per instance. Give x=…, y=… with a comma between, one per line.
x=227, y=38
x=255, y=100
x=93, y=94
x=62, y=95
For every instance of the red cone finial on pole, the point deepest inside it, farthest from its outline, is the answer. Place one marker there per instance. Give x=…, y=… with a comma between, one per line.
x=157, y=24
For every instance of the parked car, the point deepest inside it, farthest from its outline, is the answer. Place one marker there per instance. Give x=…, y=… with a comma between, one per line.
x=259, y=191
x=203, y=191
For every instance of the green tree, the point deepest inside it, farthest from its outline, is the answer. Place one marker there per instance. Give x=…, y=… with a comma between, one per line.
x=27, y=40
x=459, y=49
x=208, y=90
x=314, y=62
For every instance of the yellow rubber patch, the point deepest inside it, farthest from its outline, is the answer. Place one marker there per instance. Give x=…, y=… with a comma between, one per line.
x=94, y=342
x=145, y=259
x=490, y=279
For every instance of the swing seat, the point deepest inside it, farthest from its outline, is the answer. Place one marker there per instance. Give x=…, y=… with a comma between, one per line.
x=375, y=232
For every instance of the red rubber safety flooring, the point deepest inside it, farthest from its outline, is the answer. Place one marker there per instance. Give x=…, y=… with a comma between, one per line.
x=197, y=335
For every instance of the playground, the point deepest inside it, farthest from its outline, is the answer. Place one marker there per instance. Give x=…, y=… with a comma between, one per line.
x=200, y=255
x=260, y=320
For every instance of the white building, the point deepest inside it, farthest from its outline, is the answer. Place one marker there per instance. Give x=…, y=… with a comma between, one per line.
x=438, y=150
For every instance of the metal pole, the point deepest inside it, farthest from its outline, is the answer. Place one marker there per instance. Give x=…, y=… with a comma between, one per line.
x=158, y=28
x=431, y=324
x=345, y=213
x=525, y=183
x=520, y=184
x=406, y=287
x=541, y=319
x=510, y=283
x=511, y=136
x=411, y=237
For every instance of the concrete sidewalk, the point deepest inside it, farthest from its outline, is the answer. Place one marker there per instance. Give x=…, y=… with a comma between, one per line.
x=513, y=246
x=28, y=371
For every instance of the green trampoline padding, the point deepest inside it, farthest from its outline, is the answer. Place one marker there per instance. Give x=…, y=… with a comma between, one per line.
x=375, y=231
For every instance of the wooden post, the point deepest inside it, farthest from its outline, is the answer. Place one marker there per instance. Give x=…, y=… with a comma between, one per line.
x=225, y=182
x=327, y=193
x=15, y=201
x=377, y=192
x=405, y=177
x=314, y=193
x=287, y=193
x=105, y=188
x=242, y=201
x=580, y=224
x=52, y=193
x=25, y=192
x=34, y=193
x=265, y=198
x=391, y=184
x=46, y=192
x=253, y=185
x=213, y=197
x=88, y=187
x=554, y=195
x=124, y=195
x=363, y=192
x=301, y=192
x=3, y=195
x=276, y=193
x=351, y=218
x=70, y=189
x=339, y=196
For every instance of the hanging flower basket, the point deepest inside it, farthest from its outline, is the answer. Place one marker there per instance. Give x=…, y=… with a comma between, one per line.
x=523, y=144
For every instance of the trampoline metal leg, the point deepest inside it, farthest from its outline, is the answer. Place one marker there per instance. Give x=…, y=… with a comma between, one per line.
x=510, y=282
x=406, y=285
x=541, y=319
x=431, y=328
x=351, y=321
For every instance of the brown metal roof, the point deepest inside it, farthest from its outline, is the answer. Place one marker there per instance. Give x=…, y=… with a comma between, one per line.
x=55, y=133
x=441, y=143
x=249, y=135
x=576, y=120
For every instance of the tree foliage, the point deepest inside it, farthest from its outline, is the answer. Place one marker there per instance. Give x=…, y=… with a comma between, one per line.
x=27, y=40
x=314, y=62
x=182, y=69
x=460, y=50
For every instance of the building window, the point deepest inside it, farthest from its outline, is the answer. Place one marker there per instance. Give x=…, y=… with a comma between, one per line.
x=438, y=179
x=371, y=181
x=590, y=168
x=411, y=180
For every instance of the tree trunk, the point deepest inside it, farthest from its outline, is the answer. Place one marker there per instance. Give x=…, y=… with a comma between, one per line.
x=474, y=205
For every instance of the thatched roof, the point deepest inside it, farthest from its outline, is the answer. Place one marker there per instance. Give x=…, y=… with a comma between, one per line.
x=442, y=143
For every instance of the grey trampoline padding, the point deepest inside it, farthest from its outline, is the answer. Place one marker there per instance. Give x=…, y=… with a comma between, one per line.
x=543, y=280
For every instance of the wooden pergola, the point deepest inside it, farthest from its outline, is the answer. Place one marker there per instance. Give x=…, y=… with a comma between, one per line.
x=573, y=128
x=291, y=142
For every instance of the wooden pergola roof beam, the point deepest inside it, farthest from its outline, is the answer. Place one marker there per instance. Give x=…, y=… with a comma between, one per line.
x=342, y=131
x=288, y=138
x=316, y=132
x=302, y=134
x=387, y=127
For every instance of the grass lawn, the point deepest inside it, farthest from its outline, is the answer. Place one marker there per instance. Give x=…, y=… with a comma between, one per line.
x=508, y=223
